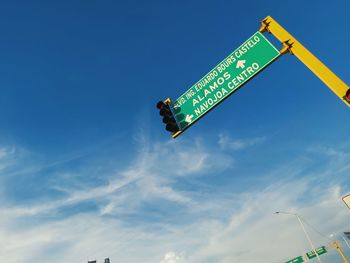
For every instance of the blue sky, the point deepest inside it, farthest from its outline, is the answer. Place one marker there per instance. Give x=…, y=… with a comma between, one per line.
x=87, y=170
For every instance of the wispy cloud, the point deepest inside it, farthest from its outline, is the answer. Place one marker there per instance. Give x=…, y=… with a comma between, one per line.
x=150, y=175
x=226, y=142
x=145, y=212
x=171, y=257
x=7, y=157
x=5, y=152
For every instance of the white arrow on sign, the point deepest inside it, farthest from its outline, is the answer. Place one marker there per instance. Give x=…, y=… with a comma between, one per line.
x=240, y=64
x=189, y=118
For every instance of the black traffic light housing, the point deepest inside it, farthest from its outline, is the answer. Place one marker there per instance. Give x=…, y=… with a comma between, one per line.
x=168, y=117
x=347, y=96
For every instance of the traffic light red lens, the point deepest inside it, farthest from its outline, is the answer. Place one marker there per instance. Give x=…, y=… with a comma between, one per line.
x=347, y=96
x=160, y=104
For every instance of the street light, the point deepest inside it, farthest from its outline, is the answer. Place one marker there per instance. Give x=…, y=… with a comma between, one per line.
x=306, y=234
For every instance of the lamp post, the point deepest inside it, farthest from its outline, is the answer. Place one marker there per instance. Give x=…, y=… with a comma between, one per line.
x=303, y=228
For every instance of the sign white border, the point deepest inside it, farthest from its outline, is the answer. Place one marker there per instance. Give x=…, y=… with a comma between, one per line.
x=346, y=200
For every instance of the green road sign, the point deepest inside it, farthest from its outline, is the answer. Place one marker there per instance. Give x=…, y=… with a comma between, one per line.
x=229, y=75
x=319, y=251
x=296, y=260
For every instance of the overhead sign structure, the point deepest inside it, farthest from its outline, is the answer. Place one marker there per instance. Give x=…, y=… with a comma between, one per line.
x=296, y=260
x=319, y=251
x=346, y=200
x=238, y=68
x=229, y=75
x=292, y=45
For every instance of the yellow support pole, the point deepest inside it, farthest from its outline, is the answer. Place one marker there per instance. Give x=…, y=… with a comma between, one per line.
x=337, y=247
x=339, y=87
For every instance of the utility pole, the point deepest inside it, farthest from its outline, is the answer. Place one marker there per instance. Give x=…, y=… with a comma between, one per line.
x=337, y=247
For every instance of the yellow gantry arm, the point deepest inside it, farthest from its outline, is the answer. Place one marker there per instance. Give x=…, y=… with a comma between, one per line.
x=292, y=45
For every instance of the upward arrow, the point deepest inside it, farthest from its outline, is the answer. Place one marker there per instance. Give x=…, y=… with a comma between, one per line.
x=240, y=64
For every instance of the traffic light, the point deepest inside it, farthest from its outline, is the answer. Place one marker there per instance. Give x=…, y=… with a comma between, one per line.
x=168, y=117
x=347, y=96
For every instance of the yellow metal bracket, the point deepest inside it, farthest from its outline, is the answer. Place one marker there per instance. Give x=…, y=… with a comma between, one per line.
x=177, y=134
x=293, y=46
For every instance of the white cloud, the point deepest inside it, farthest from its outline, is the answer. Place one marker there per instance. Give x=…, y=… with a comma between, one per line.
x=226, y=142
x=150, y=176
x=4, y=152
x=171, y=257
x=252, y=234
x=256, y=234
x=7, y=156
x=219, y=226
